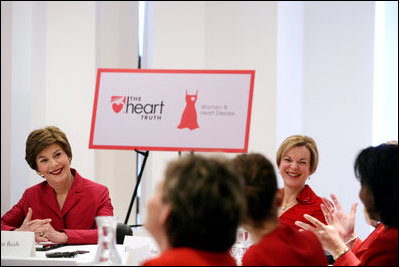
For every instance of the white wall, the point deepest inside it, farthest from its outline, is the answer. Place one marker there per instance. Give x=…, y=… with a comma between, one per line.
x=49, y=73
x=70, y=76
x=313, y=62
x=22, y=86
x=289, y=95
x=385, y=95
x=215, y=35
x=174, y=40
x=243, y=35
x=117, y=47
x=337, y=94
x=6, y=72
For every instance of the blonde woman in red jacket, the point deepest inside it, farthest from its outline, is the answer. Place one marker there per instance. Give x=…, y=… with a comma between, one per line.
x=61, y=209
x=297, y=159
x=274, y=243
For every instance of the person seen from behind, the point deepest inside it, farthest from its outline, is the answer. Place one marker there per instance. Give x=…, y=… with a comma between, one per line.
x=195, y=212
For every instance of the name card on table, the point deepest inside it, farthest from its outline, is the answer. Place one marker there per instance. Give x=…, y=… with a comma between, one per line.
x=139, y=249
x=20, y=244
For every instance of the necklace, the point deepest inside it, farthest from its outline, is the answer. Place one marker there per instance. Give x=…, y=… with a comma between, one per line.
x=287, y=205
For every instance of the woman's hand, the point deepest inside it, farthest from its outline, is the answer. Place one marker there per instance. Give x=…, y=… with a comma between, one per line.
x=33, y=226
x=342, y=222
x=327, y=234
x=52, y=235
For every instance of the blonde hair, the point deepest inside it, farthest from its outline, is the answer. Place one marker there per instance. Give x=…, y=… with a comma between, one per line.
x=40, y=139
x=299, y=140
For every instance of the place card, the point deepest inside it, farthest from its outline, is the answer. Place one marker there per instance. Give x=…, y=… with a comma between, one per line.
x=18, y=244
x=139, y=249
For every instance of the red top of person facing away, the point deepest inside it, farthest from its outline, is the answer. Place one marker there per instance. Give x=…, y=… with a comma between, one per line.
x=286, y=246
x=308, y=203
x=379, y=248
x=184, y=256
x=86, y=200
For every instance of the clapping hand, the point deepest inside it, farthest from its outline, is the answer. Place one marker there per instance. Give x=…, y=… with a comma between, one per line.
x=327, y=234
x=343, y=223
x=337, y=234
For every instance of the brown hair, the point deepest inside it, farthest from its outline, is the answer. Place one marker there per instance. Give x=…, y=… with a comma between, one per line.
x=40, y=139
x=260, y=187
x=207, y=203
x=299, y=140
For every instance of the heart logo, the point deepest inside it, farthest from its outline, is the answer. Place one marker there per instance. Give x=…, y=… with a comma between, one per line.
x=118, y=103
x=117, y=107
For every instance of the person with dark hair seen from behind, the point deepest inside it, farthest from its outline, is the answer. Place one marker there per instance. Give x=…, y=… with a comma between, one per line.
x=377, y=170
x=195, y=212
x=61, y=209
x=297, y=158
x=273, y=243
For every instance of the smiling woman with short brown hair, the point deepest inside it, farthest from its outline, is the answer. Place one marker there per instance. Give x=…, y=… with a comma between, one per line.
x=61, y=209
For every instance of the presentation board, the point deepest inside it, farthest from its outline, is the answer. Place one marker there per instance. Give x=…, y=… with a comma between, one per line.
x=172, y=110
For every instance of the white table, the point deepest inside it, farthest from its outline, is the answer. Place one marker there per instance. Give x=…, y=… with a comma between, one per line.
x=41, y=260
x=136, y=249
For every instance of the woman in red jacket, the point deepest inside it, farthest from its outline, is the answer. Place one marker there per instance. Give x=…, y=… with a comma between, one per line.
x=195, y=212
x=297, y=158
x=377, y=170
x=275, y=244
x=61, y=209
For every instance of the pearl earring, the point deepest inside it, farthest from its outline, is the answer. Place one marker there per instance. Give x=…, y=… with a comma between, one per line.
x=40, y=174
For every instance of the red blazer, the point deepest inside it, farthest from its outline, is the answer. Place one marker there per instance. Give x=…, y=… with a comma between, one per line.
x=184, y=256
x=379, y=248
x=285, y=246
x=308, y=203
x=86, y=200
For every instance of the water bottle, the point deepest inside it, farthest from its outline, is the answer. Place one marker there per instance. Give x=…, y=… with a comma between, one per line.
x=107, y=253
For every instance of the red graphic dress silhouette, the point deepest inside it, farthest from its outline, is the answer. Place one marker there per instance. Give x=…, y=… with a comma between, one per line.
x=189, y=117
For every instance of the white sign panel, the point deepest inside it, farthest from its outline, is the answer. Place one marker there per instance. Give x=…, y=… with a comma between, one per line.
x=172, y=110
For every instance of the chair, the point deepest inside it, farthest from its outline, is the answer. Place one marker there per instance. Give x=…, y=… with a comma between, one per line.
x=121, y=231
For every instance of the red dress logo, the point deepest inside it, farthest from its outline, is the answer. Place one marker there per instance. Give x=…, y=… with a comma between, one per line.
x=189, y=117
x=118, y=102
